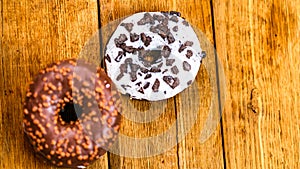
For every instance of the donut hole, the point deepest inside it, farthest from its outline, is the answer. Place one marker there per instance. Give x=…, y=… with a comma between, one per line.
x=150, y=57
x=70, y=112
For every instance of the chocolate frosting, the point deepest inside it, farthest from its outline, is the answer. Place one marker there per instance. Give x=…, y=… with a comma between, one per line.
x=79, y=142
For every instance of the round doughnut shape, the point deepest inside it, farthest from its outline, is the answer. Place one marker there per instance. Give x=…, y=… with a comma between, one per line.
x=153, y=55
x=72, y=113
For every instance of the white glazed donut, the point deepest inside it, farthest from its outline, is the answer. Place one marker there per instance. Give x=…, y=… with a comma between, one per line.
x=153, y=55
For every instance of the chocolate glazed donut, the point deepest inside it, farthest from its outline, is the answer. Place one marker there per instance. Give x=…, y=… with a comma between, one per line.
x=72, y=113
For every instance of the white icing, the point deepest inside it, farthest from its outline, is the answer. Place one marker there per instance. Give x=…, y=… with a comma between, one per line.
x=184, y=33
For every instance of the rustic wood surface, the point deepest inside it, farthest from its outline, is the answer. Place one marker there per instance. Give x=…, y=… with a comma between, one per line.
x=257, y=42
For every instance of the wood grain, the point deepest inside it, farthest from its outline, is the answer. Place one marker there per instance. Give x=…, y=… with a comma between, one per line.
x=36, y=33
x=258, y=42
x=197, y=98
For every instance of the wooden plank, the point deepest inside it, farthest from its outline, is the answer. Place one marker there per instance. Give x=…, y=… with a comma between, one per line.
x=197, y=98
x=258, y=42
x=36, y=33
x=110, y=11
x=190, y=153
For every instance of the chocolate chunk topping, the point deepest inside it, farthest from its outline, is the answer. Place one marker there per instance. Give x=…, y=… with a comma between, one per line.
x=188, y=43
x=125, y=86
x=170, y=38
x=189, y=82
x=129, y=49
x=174, y=70
x=155, y=86
x=128, y=60
x=185, y=23
x=107, y=57
x=146, y=85
x=165, y=13
x=174, y=19
x=171, y=13
x=171, y=81
x=169, y=62
x=146, y=19
x=175, y=13
x=148, y=76
x=160, y=65
x=134, y=37
x=138, y=84
x=166, y=51
x=183, y=46
x=128, y=26
x=141, y=90
x=175, y=28
x=146, y=39
x=149, y=18
x=123, y=68
x=189, y=53
x=119, y=57
x=165, y=71
x=186, y=66
x=144, y=70
x=119, y=77
x=119, y=41
x=159, y=18
x=134, y=67
x=133, y=77
x=165, y=22
x=154, y=29
x=155, y=69
x=133, y=74
x=162, y=30
x=162, y=35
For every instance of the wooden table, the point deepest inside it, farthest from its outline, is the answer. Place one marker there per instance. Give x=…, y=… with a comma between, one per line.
x=258, y=43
